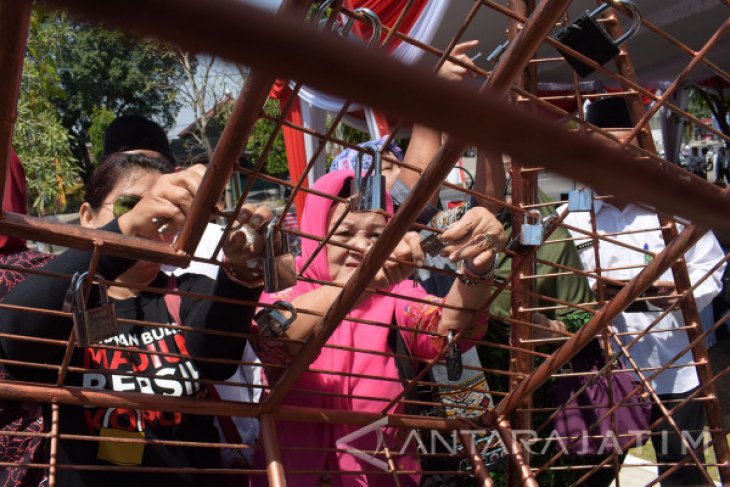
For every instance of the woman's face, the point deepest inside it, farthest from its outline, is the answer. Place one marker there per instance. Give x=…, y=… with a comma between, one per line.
x=359, y=230
x=136, y=183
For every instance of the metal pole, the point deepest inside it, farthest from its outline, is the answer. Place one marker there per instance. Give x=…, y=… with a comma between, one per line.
x=518, y=458
x=274, y=467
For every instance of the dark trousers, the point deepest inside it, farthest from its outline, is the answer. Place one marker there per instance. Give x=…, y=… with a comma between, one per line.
x=668, y=446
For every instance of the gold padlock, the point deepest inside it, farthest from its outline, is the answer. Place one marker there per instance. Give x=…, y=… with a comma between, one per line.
x=120, y=453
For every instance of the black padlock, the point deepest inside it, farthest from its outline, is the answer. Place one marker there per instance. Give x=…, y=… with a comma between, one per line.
x=589, y=38
x=454, y=367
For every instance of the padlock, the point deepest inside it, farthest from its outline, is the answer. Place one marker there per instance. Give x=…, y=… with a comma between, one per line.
x=280, y=271
x=92, y=325
x=272, y=322
x=69, y=299
x=532, y=233
x=454, y=367
x=580, y=200
x=368, y=194
x=121, y=453
x=589, y=38
x=371, y=17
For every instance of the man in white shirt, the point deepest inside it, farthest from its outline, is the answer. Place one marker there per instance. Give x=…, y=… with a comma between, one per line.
x=655, y=349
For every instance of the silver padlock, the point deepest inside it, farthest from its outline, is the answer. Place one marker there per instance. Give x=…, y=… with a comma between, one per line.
x=92, y=325
x=368, y=194
x=280, y=271
x=580, y=200
x=532, y=233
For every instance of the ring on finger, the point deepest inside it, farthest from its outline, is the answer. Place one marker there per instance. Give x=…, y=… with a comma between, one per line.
x=486, y=241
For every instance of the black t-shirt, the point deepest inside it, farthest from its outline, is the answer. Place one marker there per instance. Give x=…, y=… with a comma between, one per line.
x=120, y=365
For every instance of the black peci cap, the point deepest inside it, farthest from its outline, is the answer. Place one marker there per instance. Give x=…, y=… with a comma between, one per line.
x=132, y=132
x=609, y=113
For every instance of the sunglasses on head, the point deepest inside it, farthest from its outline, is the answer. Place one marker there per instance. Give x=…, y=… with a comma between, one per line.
x=124, y=203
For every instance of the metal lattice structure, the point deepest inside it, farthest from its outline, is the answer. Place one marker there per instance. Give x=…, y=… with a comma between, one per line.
x=495, y=117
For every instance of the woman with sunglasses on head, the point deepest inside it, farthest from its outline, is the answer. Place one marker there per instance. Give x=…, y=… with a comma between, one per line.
x=135, y=195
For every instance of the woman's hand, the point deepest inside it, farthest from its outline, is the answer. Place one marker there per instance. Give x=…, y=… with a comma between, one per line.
x=168, y=201
x=456, y=72
x=476, y=238
x=409, y=250
x=243, y=254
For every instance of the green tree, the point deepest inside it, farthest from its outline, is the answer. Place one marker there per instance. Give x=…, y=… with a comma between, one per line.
x=100, y=120
x=100, y=71
x=715, y=101
x=40, y=139
x=276, y=159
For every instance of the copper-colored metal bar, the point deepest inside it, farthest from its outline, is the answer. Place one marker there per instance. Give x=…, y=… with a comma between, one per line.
x=229, y=148
x=604, y=71
x=53, y=457
x=639, y=389
x=581, y=338
x=698, y=57
x=683, y=285
x=477, y=464
x=84, y=397
x=510, y=72
x=246, y=35
x=691, y=316
x=26, y=227
x=663, y=409
x=256, y=172
x=71, y=345
x=14, y=27
x=518, y=458
x=632, y=440
x=270, y=438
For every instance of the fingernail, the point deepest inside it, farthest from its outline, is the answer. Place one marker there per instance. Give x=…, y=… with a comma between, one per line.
x=453, y=257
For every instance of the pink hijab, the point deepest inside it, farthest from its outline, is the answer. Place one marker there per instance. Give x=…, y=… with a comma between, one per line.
x=314, y=222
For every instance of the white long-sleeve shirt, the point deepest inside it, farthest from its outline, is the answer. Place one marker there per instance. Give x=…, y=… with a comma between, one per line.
x=655, y=349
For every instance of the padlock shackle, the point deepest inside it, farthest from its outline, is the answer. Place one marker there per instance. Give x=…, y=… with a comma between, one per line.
x=321, y=10
x=269, y=250
x=632, y=7
x=377, y=156
x=372, y=19
x=108, y=414
x=78, y=287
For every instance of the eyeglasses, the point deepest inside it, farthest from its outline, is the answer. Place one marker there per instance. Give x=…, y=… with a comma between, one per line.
x=124, y=203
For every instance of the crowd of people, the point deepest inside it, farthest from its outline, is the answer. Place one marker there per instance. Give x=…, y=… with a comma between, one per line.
x=177, y=344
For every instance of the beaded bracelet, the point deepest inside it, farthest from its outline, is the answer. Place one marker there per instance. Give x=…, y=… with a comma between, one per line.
x=254, y=281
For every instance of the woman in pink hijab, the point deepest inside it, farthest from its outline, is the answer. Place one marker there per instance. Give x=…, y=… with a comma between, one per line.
x=365, y=380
